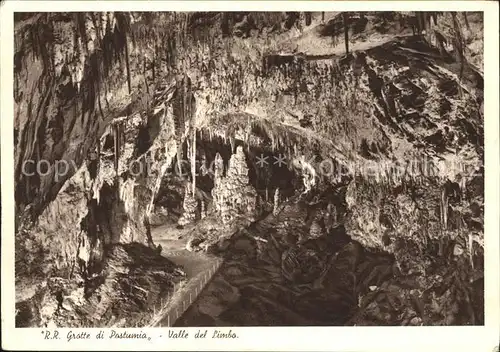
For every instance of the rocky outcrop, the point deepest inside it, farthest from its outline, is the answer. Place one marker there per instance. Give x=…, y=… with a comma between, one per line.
x=106, y=202
x=331, y=279
x=134, y=276
x=430, y=252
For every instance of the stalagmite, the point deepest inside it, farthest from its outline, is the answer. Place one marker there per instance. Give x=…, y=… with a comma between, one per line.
x=232, y=193
x=189, y=207
x=218, y=168
x=276, y=201
x=203, y=209
x=308, y=176
x=231, y=140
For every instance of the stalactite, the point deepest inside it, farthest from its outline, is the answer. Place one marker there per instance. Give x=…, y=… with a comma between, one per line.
x=193, y=162
x=470, y=248
x=444, y=208
x=127, y=64
x=308, y=18
x=115, y=136
x=466, y=20
x=459, y=48
x=232, y=141
x=185, y=111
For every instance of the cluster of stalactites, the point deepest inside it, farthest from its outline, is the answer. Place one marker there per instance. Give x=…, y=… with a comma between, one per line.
x=78, y=39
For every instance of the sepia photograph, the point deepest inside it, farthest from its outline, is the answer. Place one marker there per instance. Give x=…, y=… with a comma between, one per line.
x=234, y=169
x=248, y=169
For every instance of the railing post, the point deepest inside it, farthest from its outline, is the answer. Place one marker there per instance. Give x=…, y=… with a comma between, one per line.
x=168, y=319
x=190, y=298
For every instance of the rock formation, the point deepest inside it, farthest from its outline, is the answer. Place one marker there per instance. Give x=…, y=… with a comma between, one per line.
x=118, y=97
x=276, y=201
x=232, y=194
x=189, y=206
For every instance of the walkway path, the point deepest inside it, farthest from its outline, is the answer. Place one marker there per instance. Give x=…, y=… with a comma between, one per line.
x=199, y=268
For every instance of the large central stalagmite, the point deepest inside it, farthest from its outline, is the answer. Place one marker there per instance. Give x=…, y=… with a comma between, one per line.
x=232, y=194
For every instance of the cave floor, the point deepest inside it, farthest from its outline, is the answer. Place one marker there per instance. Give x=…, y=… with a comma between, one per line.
x=195, y=264
x=173, y=242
